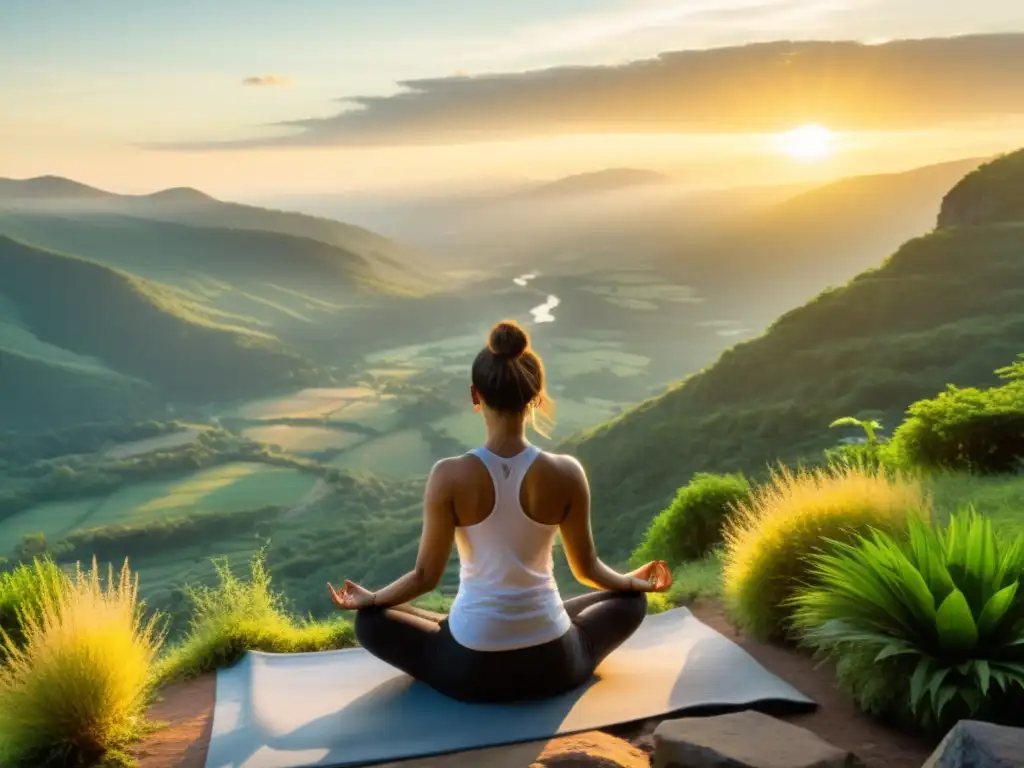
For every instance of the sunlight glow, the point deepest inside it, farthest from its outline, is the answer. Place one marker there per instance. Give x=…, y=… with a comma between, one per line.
x=808, y=142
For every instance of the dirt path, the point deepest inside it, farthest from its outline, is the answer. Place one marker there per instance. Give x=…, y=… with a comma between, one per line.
x=188, y=710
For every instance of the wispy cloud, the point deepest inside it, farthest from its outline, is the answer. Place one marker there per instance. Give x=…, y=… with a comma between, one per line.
x=260, y=80
x=761, y=87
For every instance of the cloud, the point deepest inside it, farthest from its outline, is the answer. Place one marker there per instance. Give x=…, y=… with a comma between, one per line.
x=266, y=80
x=905, y=84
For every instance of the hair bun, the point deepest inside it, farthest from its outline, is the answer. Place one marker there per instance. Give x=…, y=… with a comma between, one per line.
x=508, y=340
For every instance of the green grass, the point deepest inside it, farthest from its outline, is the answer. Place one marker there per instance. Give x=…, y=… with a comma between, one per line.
x=999, y=498
x=235, y=616
x=696, y=580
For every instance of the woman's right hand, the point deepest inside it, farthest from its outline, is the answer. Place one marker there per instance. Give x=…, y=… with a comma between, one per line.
x=656, y=576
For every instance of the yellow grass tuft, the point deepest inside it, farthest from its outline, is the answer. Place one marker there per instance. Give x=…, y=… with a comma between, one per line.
x=78, y=686
x=769, y=536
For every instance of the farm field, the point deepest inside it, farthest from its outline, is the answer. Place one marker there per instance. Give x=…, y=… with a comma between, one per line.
x=233, y=487
x=399, y=454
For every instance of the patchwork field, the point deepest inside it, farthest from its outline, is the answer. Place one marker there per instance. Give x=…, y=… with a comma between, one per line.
x=305, y=404
x=466, y=427
x=303, y=440
x=227, y=488
x=167, y=442
x=432, y=355
x=400, y=454
x=376, y=412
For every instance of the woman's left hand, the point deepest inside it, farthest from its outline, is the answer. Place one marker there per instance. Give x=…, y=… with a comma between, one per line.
x=352, y=597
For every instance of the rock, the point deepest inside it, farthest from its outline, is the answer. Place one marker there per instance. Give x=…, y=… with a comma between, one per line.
x=743, y=740
x=593, y=749
x=975, y=744
x=590, y=750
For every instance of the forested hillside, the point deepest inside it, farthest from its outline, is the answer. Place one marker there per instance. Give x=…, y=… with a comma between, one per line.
x=947, y=307
x=90, y=323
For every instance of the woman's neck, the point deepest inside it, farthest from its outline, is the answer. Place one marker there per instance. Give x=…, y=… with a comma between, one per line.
x=506, y=436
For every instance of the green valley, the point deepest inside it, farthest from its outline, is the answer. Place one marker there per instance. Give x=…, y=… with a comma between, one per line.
x=216, y=432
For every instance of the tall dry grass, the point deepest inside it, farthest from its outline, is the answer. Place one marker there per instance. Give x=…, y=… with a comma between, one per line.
x=769, y=536
x=77, y=686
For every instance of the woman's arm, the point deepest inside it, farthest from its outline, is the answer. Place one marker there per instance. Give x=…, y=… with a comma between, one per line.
x=435, y=542
x=578, y=540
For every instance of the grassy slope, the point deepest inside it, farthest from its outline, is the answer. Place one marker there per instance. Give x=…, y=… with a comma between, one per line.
x=947, y=307
x=140, y=328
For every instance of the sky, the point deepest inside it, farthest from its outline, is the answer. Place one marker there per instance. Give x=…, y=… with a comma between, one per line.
x=318, y=96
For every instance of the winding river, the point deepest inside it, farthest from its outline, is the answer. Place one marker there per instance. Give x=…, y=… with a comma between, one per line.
x=542, y=313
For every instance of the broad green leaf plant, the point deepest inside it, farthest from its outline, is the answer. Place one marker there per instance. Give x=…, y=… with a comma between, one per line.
x=927, y=627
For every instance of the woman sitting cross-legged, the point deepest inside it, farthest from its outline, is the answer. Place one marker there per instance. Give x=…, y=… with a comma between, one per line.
x=509, y=636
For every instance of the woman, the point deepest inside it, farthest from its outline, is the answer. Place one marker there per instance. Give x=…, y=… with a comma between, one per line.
x=509, y=636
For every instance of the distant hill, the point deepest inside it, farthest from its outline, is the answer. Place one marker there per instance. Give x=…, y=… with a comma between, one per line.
x=263, y=280
x=89, y=326
x=608, y=180
x=396, y=267
x=48, y=188
x=946, y=307
x=786, y=252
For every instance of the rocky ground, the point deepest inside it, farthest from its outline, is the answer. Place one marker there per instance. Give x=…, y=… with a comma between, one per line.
x=188, y=710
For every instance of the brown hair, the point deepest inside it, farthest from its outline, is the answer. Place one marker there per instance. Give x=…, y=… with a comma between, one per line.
x=509, y=375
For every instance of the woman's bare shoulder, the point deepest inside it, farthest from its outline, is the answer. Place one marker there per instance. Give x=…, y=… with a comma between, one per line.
x=568, y=467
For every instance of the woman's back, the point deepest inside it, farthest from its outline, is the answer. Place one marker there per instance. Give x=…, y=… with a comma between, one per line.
x=507, y=511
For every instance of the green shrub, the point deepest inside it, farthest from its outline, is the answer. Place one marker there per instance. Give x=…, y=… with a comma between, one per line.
x=927, y=627
x=770, y=536
x=24, y=591
x=235, y=617
x=973, y=430
x=692, y=525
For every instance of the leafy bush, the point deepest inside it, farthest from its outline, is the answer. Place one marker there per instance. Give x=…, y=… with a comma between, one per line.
x=973, y=430
x=692, y=524
x=79, y=686
x=789, y=517
x=25, y=590
x=235, y=617
x=927, y=627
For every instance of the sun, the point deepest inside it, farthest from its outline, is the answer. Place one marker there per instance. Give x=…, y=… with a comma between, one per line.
x=808, y=142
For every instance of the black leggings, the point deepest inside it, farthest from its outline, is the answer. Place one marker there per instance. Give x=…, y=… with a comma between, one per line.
x=420, y=644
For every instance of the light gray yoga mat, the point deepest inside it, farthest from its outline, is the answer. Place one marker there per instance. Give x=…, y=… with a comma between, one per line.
x=347, y=708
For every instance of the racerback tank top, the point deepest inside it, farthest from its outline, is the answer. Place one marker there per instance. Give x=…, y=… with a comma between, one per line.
x=507, y=595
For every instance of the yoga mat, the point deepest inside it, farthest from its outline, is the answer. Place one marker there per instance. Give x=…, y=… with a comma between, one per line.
x=347, y=708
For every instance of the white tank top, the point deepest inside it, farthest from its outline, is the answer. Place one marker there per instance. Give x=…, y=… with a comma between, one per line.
x=507, y=596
